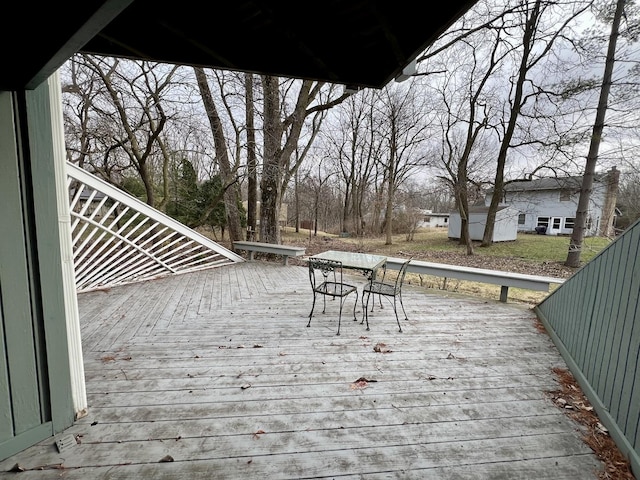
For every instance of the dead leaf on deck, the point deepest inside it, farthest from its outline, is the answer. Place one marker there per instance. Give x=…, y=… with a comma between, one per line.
x=52, y=466
x=166, y=458
x=245, y=386
x=108, y=358
x=361, y=383
x=381, y=348
x=257, y=433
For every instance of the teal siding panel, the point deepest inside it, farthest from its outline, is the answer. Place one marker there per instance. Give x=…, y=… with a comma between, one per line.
x=581, y=315
x=48, y=262
x=595, y=318
x=624, y=311
x=6, y=411
x=21, y=353
x=597, y=321
x=585, y=309
x=628, y=413
x=24, y=440
x=609, y=309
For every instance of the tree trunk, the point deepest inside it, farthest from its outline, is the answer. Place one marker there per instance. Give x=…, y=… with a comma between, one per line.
x=271, y=169
x=498, y=187
x=231, y=196
x=462, y=201
x=582, y=212
x=252, y=163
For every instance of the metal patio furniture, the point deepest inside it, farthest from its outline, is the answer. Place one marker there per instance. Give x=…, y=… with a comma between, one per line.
x=326, y=280
x=386, y=288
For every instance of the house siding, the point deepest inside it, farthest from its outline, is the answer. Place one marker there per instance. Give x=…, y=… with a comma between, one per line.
x=553, y=204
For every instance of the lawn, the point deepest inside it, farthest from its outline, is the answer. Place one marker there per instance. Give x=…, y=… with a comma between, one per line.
x=531, y=247
x=529, y=254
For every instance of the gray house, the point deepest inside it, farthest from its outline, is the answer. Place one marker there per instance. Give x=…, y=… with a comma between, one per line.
x=549, y=204
x=505, y=228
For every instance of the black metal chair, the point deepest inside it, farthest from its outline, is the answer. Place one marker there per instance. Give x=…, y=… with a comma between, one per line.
x=326, y=280
x=386, y=288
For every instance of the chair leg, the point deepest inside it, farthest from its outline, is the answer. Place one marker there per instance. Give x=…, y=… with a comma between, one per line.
x=365, y=307
x=355, y=319
x=365, y=315
x=396, y=312
x=312, y=307
x=406, y=318
x=340, y=316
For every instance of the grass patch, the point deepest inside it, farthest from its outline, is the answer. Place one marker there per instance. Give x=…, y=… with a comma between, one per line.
x=537, y=248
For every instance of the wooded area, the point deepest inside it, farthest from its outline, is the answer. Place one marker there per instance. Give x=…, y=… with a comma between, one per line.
x=509, y=92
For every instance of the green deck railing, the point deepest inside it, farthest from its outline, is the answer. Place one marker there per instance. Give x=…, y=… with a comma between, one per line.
x=594, y=321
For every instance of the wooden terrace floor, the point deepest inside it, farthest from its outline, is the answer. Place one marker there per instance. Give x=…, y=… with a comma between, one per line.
x=214, y=375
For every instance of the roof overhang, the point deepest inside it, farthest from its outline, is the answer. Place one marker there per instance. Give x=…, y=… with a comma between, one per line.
x=350, y=42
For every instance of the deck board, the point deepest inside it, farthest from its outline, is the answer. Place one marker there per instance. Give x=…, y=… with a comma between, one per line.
x=218, y=370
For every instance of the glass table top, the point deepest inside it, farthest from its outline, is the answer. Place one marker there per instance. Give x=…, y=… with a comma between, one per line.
x=360, y=261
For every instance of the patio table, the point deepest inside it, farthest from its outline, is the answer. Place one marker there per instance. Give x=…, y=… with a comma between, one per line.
x=365, y=263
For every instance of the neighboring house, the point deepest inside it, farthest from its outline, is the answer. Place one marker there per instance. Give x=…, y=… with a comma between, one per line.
x=548, y=205
x=90, y=203
x=505, y=227
x=433, y=220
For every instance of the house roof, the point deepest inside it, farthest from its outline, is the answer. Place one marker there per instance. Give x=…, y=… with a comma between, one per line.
x=551, y=183
x=356, y=43
x=481, y=209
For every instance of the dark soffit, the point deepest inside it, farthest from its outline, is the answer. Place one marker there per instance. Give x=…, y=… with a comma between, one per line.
x=358, y=43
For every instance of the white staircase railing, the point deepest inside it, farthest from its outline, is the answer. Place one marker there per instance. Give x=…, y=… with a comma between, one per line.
x=118, y=239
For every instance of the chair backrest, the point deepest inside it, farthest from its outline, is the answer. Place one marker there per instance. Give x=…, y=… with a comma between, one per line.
x=327, y=268
x=401, y=274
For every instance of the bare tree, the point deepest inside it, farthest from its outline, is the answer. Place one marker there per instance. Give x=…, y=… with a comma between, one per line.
x=464, y=119
x=577, y=237
x=252, y=161
x=228, y=171
x=534, y=47
x=137, y=107
x=402, y=125
x=282, y=132
x=350, y=142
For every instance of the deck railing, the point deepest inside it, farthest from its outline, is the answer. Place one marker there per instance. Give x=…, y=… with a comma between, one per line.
x=118, y=239
x=594, y=321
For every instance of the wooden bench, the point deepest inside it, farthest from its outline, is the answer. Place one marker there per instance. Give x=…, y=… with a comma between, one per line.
x=495, y=277
x=285, y=250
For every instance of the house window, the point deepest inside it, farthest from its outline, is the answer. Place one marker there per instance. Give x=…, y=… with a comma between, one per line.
x=565, y=195
x=521, y=219
x=569, y=222
x=543, y=222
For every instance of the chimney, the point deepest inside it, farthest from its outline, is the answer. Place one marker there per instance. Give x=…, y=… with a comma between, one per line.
x=609, y=208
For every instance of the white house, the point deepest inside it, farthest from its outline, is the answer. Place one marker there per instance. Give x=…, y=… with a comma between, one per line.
x=548, y=205
x=505, y=227
x=433, y=220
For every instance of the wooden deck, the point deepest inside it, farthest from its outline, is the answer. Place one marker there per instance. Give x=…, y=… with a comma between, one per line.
x=214, y=375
